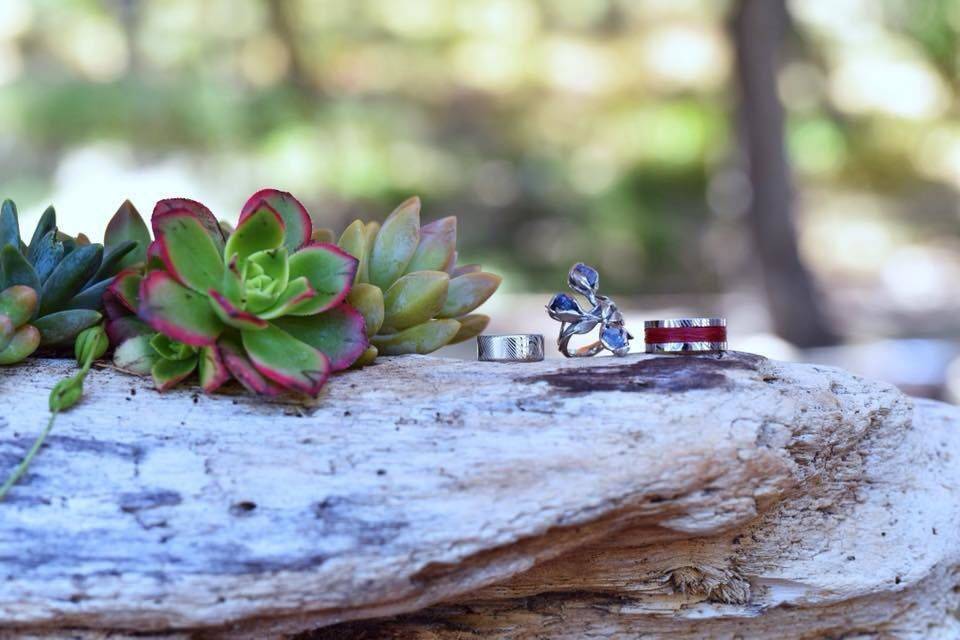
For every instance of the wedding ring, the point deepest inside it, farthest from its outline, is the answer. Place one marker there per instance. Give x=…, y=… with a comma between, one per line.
x=686, y=335
x=510, y=348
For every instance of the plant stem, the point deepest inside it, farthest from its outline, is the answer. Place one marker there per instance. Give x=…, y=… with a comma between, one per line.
x=25, y=464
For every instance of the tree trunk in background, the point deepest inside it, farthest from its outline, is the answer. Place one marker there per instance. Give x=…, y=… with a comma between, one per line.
x=758, y=27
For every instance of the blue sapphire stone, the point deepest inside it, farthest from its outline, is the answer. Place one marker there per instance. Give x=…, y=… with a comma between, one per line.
x=586, y=274
x=563, y=302
x=615, y=338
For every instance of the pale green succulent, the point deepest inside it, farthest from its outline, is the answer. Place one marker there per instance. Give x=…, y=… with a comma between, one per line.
x=411, y=293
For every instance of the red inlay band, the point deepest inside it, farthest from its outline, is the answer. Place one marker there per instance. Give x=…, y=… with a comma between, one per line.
x=665, y=335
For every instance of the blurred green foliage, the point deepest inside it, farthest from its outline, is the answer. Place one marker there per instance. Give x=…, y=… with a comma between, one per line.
x=559, y=130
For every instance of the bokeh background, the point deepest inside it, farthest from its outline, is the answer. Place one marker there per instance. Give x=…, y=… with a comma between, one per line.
x=793, y=166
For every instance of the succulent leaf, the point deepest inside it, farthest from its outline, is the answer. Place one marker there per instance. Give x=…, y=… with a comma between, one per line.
x=24, y=342
x=266, y=275
x=414, y=299
x=203, y=215
x=354, y=241
x=213, y=371
x=179, y=312
x=243, y=370
x=470, y=327
x=370, y=232
x=324, y=236
x=171, y=349
x=18, y=303
x=9, y=225
x=368, y=300
x=260, y=230
x=438, y=243
x=298, y=226
x=119, y=330
x=89, y=298
x=285, y=360
x=187, y=250
x=232, y=287
x=126, y=288
x=339, y=334
x=60, y=328
x=16, y=270
x=395, y=244
x=74, y=270
x=169, y=373
x=232, y=315
x=127, y=225
x=467, y=292
x=423, y=339
x=46, y=224
x=45, y=254
x=465, y=269
x=113, y=258
x=135, y=355
x=329, y=270
x=369, y=357
x=7, y=329
x=299, y=290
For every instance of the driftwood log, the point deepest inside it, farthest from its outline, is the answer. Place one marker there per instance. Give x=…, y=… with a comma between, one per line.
x=428, y=498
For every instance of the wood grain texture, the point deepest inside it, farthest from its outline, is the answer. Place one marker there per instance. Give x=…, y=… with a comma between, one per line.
x=432, y=498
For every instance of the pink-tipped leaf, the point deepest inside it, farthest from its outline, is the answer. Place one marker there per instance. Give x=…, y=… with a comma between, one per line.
x=296, y=220
x=125, y=289
x=187, y=250
x=467, y=292
x=298, y=291
x=438, y=243
x=203, y=215
x=232, y=315
x=121, y=329
x=240, y=367
x=260, y=230
x=212, y=369
x=339, y=333
x=465, y=269
x=169, y=373
x=330, y=271
x=178, y=312
x=288, y=362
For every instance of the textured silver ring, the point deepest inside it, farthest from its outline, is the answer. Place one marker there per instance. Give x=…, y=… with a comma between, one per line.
x=686, y=335
x=510, y=348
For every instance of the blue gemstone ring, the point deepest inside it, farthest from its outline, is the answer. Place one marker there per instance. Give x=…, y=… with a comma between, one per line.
x=603, y=313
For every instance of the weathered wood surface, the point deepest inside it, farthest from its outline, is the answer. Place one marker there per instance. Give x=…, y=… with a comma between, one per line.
x=681, y=498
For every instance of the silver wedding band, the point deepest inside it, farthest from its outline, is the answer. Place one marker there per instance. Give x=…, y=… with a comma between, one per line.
x=510, y=348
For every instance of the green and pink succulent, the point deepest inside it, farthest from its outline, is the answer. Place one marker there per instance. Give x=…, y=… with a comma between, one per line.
x=265, y=305
x=408, y=286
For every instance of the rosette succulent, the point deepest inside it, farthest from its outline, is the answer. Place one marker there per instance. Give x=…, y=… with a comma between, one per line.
x=18, y=338
x=408, y=288
x=266, y=305
x=68, y=274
